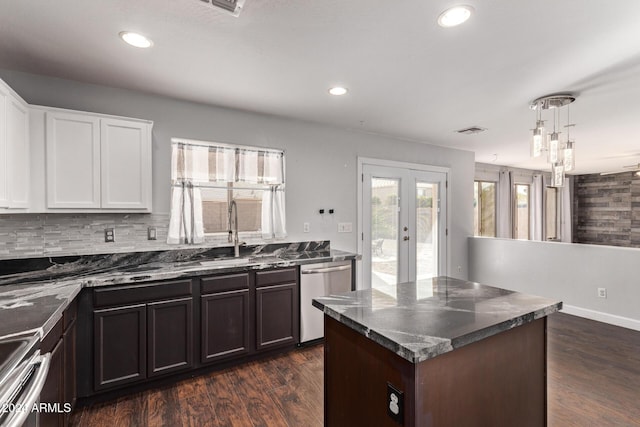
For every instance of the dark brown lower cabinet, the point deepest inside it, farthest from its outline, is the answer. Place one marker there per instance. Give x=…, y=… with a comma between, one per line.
x=120, y=345
x=141, y=331
x=225, y=325
x=59, y=390
x=277, y=315
x=70, y=387
x=170, y=336
x=52, y=391
x=147, y=330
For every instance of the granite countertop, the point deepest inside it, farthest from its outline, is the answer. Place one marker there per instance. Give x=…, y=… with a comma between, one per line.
x=34, y=299
x=424, y=319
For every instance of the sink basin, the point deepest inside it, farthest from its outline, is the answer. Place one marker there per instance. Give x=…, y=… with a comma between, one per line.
x=225, y=262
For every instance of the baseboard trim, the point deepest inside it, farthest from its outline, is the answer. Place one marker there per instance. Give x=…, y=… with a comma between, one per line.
x=611, y=319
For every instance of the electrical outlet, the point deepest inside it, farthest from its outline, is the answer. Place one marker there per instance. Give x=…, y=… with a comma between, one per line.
x=152, y=233
x=305, y=227
x=109, y=235
x=602, y=292
x=395, y=404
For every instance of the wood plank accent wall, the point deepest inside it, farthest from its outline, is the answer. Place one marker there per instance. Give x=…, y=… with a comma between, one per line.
x=607, y=209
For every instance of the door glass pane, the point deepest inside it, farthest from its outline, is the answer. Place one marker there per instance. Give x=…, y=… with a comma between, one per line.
x=426, y=230
x=385, y=194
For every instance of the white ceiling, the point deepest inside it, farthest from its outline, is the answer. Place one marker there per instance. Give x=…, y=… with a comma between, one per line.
x=407, y=76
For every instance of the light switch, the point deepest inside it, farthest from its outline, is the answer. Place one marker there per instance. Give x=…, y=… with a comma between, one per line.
x=345, y=227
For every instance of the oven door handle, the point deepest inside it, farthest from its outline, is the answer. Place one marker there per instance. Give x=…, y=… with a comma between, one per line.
x=33, y=393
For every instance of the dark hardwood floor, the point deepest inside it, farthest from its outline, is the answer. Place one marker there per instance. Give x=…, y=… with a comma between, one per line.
x=594, y=380
x=593, y=373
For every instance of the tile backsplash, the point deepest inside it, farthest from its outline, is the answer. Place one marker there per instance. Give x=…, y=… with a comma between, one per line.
x=38, y=235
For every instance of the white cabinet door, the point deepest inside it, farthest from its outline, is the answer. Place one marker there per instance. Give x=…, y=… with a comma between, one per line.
x=17, y=138
x=4, y=176
x=73, y=160
x=126, y=164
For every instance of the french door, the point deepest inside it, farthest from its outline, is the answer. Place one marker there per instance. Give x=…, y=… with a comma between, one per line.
x=403, y=224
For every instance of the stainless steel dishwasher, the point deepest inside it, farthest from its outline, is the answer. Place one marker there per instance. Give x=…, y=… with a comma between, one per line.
x=318, y=280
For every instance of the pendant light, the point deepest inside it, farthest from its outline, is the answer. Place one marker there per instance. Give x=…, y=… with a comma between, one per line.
x=560, y=155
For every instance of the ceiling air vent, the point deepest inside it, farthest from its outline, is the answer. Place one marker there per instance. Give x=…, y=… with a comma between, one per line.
x=472, y=130
x=233, y=7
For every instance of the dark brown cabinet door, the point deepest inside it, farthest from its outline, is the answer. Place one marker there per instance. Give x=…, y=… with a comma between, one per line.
x=277, y=315
x=170, y=336
x=52, y=390
x=120, y=345
x=225, y=325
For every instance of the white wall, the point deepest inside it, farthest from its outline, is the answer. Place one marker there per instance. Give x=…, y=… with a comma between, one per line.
x=565, y=271
x=321, y=161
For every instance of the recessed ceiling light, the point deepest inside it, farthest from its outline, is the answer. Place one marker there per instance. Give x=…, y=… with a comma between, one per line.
x=454, y=16
x=338, y=90
x=135, y=39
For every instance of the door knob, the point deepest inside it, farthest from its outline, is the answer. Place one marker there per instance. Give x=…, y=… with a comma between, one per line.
x=405, y=238
x=406, y=228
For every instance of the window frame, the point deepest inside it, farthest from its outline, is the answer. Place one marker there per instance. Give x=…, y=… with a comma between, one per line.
x=229, y=187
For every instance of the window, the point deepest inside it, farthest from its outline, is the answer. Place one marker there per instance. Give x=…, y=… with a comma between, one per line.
x=484, y=208
x=521, y=212
x=206, y=177
x=551, y=213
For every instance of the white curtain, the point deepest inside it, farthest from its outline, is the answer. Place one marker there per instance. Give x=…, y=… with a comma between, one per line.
x=224, y=159
x=247, y=166
x=273, y=168
x=186, y=224
x=537, y=207
x=505, y=213
x=566, y=218
x=273, y=213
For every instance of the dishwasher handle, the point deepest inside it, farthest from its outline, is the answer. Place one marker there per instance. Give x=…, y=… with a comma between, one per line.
x=326, y=269
x=33, y=394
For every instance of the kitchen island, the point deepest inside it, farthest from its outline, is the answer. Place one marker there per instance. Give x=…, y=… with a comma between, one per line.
x=438, y=352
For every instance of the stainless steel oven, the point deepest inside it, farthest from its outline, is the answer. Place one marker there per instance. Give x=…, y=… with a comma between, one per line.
x=23, y=371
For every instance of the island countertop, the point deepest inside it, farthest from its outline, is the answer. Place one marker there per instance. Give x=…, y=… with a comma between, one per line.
x=421, y=320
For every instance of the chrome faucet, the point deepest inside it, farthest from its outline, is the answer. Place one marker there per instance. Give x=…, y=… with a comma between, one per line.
x=233, y=234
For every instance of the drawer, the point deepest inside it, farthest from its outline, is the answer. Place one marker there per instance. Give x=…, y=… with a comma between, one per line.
x=229, y=282
x=119, y=295
x=277, y=276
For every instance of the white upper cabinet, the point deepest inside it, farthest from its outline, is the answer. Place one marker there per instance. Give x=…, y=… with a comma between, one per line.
x=73, y=161
x=97, y=163
x=14, y=150
x=125, y=164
